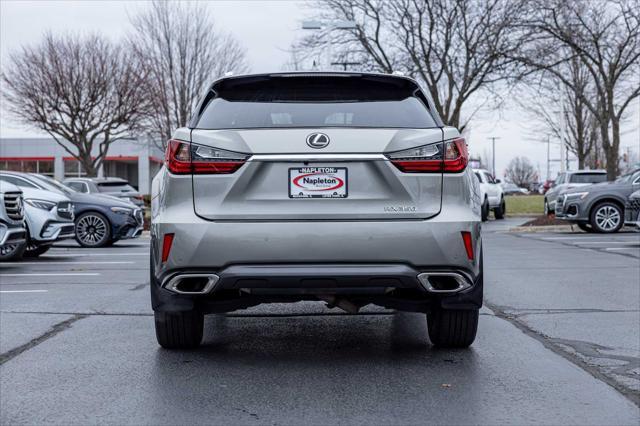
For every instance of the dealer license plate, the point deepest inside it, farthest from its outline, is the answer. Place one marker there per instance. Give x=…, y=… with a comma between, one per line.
x=318, y=182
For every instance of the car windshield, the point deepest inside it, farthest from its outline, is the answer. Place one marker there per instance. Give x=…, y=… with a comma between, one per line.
x=54, y=184
x=628, y=177
x=588, y=178
x=115, y=187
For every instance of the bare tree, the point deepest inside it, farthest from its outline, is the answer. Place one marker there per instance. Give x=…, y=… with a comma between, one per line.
x=183, y=52
x=456, y=48
x=521, y=172
x=546, y=97
x=605, y=37
x=80, y=90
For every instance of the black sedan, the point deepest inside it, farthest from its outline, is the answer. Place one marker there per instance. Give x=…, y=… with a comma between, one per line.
x=100, y=220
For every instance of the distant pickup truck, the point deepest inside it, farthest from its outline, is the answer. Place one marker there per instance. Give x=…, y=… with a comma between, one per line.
x=491, y=194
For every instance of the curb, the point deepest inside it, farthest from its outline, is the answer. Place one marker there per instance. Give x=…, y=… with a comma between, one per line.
x=541, y=229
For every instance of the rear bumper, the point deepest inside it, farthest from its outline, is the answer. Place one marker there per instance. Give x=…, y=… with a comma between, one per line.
x=212, y=246
x=241, y=286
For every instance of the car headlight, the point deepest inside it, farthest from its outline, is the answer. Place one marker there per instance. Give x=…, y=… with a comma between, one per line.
x=122, y=210
x=576, y=196
x=41, y=204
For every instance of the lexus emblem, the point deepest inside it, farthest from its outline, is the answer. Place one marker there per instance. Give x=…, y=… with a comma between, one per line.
x=317, y=140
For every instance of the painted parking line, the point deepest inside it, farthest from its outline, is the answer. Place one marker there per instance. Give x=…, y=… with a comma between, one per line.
x=624, y=243
x=578, y=238
x=95, y=262
x=69, y=274
x=23, y=291
x=622, y=248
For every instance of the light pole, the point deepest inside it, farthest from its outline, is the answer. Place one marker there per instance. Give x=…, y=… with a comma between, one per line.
x=493, y=154
x=329, y=26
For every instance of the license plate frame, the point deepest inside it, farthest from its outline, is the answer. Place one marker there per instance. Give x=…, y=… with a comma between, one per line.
x=301, y=188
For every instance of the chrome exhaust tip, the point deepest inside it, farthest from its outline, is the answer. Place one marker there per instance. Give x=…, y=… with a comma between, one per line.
x=444, y=282
x=192, y=283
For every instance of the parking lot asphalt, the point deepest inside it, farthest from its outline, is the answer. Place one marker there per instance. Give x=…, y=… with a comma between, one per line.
x=558, y=342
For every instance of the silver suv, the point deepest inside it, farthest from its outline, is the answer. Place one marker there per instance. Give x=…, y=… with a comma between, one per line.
x=344, y=188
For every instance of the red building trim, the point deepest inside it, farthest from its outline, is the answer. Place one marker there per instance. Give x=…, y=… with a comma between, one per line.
x=27, y=158
x=156, y=160
x=109, y=158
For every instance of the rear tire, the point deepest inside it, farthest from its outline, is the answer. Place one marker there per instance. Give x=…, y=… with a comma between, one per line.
x=179, y=330
x=452, y=328
x=500, y=211
x=484, y=215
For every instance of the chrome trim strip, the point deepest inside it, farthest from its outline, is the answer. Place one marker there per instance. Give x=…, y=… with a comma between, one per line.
x=316, y=157
x=172, y=283
x=462, y=280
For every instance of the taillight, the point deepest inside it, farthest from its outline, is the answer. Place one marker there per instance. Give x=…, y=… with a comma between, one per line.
x=185, y=158
x=456, y=156
x=432, y=159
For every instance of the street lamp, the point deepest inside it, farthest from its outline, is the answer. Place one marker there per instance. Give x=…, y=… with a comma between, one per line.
x=329, y=26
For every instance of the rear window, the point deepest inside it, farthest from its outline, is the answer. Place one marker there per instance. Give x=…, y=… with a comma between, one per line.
x=315, y=102
x=115, y=187
x=588, y=178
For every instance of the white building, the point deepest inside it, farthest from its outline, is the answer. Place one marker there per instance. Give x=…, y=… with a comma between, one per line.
x=133, y=160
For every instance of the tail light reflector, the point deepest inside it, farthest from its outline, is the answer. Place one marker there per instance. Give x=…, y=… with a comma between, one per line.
x=167, y=241
x=187, y=158
x=434, y=158
x=468, y=244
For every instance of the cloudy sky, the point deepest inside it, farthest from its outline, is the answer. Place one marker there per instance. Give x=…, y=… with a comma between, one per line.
x=266, y=29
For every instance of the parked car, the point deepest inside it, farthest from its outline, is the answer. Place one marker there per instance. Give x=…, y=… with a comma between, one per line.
x=548, y=184
x=116, y=187
x=48, y=216
x=569, y=180
x=13, y=235
x=598, y=207
x=344, y=187
x=491, y=195
x=100, y=220
x=632, y=210
x=513, y=189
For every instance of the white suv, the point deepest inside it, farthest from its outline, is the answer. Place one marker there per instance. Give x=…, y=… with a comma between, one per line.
x=48, y=216
x=491, y=194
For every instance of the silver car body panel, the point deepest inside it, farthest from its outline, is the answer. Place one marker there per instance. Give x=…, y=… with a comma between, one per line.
x=204, y=244
x=258, y=190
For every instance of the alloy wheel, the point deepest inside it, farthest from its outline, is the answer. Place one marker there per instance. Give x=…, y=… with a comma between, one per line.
x=91, y=230
x=607, y=218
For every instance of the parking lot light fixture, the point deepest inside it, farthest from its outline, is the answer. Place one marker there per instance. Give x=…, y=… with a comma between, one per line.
x=329, y=27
